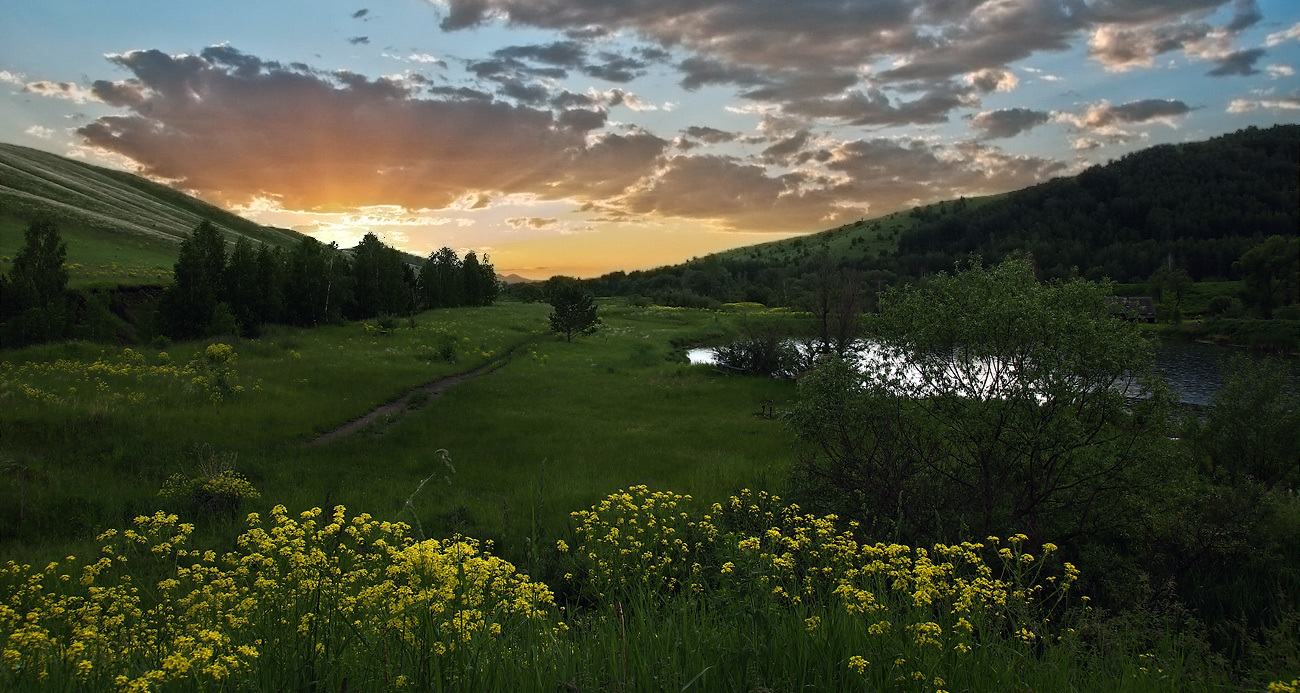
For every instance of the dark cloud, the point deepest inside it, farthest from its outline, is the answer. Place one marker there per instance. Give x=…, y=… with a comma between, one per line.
x=530, y=93
x=873, y=107
x=784, y=150
x=360, y=13
x=1238, y=63
x=1008, y=122
x=616, y=68
x=699, y=72
x=567, y=54
x=359, y=40
x=460, y=93
x=798, y=55
x=1139, y=11
x=709, y=135
x=583, y=120
x=1245, y=15
x=234, y=128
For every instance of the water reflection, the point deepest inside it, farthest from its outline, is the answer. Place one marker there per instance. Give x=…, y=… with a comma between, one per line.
x=1191, y=368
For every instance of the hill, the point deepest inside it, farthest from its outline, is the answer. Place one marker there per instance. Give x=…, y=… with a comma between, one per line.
x=120, y=228
x=1196, y=206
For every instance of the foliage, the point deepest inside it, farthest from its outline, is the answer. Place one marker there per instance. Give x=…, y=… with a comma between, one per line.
x=761, y=352
x=1199, y=205
x=573, y=307
x=1010, y=414
x=217, y=488
x=1272, y=273
x=33, y=295
x=299, y=603
x=320, y=600
x=1252, y=429
x=190, y=302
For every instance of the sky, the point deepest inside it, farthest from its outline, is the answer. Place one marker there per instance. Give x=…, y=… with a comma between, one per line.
x=586, y=136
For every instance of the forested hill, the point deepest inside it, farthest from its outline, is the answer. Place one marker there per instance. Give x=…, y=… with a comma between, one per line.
x=1200, y=204
x=82, y=197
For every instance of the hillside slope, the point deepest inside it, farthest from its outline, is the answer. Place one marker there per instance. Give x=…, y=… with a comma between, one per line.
x=1196, y=206
x=120, y=228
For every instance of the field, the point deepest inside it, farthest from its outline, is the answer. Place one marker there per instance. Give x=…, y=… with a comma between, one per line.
x=630, y=492
x=594, y=414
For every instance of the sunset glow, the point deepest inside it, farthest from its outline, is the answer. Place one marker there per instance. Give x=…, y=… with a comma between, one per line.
x=581, y=136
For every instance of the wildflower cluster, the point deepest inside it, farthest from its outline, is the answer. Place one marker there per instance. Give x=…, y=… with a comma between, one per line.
x=224, y=491
x=124, y=378
x=921, y=613
x=335, y=596
x=639, y=541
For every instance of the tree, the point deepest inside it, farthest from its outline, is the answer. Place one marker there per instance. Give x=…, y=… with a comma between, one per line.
x=574, y=308
x=1252, y=429
x=480, y=281
x=197, y=277
x=33, y=297
x=996, y=404
x=441, y=285
x=1272, y=273
x=240, y=286
x=834, y=297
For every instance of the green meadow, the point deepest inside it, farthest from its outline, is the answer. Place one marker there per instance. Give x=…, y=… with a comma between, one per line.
x=559, y=426
x=588, y=516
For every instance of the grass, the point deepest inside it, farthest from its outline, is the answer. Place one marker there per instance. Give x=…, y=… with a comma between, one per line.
x=753, y=596
x=99, y=259
x=603, y=411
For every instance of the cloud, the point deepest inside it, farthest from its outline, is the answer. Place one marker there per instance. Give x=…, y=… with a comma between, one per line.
x=1008, y=122
x=709, y=135
x=531, y=222
x=1279, y=71
x=359, y=40
x=360, y=13
x=40, y=132
x=988, y=80
x=1238, y=63
x=1281, y=103
x=849, y=179
x=11, y=78
x=735, y=196
x=1291, y=33
x=1105, y=120
x=1121, y=48
x=862, y=62
x=67, y=91
x=1245, y=15
x=233, y=128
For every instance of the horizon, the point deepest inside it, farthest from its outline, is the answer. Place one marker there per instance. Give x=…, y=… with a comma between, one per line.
x=566, y=137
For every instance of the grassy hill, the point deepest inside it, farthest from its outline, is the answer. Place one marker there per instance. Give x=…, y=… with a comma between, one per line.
x=121, y=229
x=1195, y=206
x=861, y=240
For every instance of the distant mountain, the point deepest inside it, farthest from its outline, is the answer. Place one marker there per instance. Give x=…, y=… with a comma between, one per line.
x=515, y=279
x=1196, y=206
x=81, y=195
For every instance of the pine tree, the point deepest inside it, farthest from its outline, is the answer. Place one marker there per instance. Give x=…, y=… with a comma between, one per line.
x=33, y=297
x=197, y=283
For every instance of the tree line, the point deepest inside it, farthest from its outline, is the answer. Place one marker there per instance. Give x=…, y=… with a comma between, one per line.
x=233, y=290
x=1204, y=209
x=213, y=292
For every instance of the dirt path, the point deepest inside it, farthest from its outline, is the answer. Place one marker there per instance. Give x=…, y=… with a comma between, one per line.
x=388, y=414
